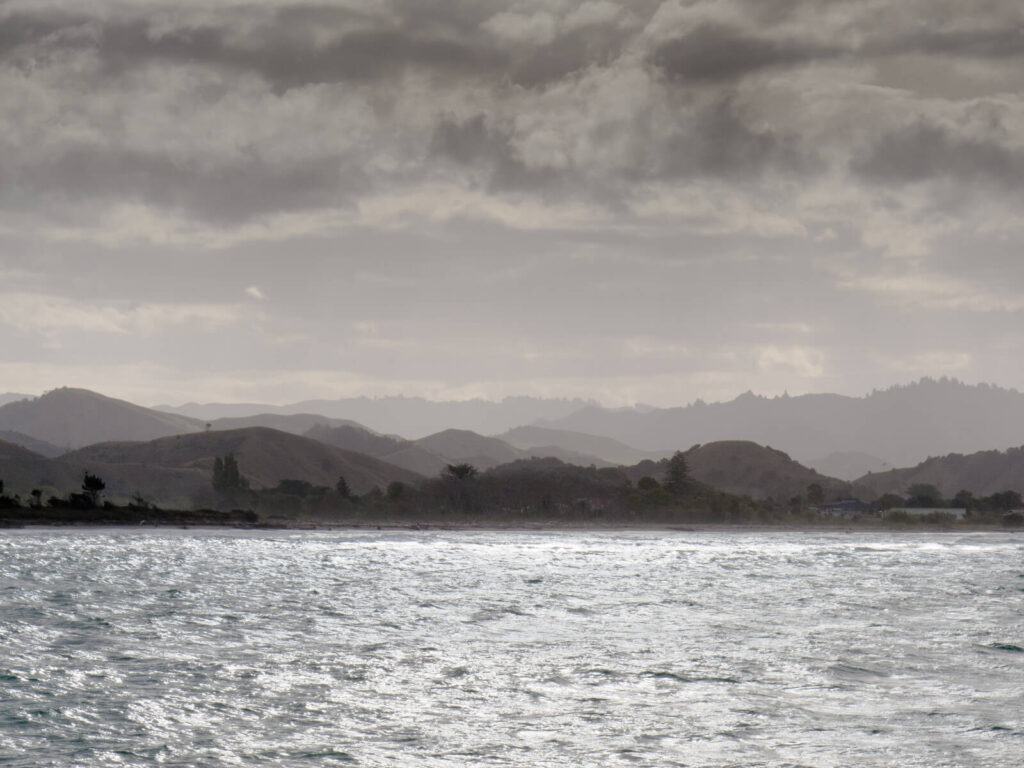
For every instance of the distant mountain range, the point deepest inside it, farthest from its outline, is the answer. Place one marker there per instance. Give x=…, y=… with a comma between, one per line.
x=899, y=426
x=410, y=417
x=837, y=435
x=850, y=437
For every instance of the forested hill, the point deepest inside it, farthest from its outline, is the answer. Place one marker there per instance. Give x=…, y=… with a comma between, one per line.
x=748, y=469
x=982, y=473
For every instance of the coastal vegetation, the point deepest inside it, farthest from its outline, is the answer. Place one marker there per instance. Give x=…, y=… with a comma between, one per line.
x=526, y=491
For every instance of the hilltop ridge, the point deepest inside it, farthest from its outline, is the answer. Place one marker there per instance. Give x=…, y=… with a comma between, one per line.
x=70, y=418
x=899, y=426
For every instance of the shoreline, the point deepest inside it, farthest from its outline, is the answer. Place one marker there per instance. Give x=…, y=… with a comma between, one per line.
x=554, y=526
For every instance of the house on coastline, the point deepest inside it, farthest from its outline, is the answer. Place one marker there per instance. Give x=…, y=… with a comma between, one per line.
x=845, y=508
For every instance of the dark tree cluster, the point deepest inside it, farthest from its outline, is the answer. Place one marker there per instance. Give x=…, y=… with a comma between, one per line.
x=226, y=477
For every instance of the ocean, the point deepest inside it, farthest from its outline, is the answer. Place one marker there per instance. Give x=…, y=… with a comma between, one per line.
x=476, y=648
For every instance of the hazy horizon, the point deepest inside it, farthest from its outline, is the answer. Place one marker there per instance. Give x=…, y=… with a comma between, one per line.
x=647, y=202
x=503, y=398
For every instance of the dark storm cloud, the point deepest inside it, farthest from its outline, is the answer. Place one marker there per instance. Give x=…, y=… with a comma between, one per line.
x=473, y=144
x=923, y=152
x=480, y=114
x=225, y=193
x=20, y=29
x=568, y=53
x=288, y=62
x=722, y=144
x=281, y=50
x=716, y=142
x=288, y=49
x=716, y=52
x=990, y=43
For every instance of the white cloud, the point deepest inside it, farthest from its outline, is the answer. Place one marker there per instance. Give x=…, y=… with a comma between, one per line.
x=802, y=361
x=52, y=317
x=935, y=291
x=253, y=291
x=933, y=363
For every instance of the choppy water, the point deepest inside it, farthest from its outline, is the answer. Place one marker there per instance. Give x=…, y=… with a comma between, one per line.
x=219, y=648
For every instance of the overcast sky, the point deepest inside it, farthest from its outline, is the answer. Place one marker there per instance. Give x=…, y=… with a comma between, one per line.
x=634, y=201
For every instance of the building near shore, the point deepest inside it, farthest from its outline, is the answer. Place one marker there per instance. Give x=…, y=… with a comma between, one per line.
x=845, y=508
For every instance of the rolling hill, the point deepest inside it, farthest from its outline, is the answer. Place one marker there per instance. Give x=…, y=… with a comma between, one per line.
x=430, y=455
x=293, y=423
x=41, y=447
x=73, y=418
x=394, y=450
x=456, y=446
x=22, y=470
x=982, y=473
x=746, y=468
x=847, y=465
x=606, y=448
x=406, y=416
x=265, y=456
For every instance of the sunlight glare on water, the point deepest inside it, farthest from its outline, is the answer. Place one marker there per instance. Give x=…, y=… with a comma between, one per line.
x=225, y=648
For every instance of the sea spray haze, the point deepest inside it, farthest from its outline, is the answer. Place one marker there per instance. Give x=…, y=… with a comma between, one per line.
x=170, y=647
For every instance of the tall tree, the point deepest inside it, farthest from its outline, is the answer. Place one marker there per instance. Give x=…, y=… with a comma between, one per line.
x=677, y=475
x=218, y=475
x=93, y=486
x=226, y=476
x=342, y=487
x=459, y=472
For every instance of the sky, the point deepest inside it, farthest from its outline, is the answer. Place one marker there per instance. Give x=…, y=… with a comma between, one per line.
x=631, y=202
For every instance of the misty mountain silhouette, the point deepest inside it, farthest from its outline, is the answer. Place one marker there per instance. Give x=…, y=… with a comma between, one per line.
x=901, y=425
x=431, y=454
x=606, y=448
x=22, y=470
x=410, y=417
x=71, y=418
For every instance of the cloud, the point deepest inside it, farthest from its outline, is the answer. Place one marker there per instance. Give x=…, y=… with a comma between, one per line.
x=228, y=191
x=805, y=362
x=194, y=112
x=253, y=291
x=923, y=151
x=932, y=362
x=715, y=52
x=524, y=191
x=52, y=317
x=937, y=291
